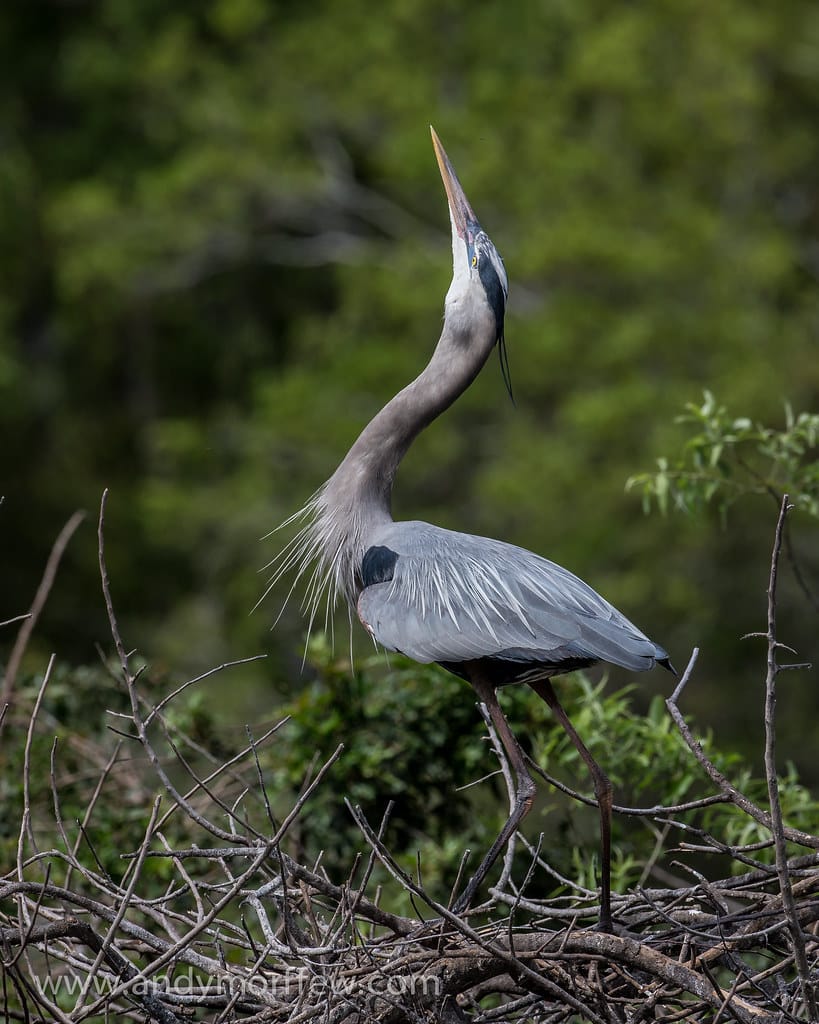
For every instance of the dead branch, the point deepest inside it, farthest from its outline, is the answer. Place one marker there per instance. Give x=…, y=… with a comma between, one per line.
x=777, y=824
x=29, y=620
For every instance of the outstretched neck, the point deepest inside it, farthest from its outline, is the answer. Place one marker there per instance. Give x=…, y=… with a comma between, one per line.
x=366, y=475
x=356, y=500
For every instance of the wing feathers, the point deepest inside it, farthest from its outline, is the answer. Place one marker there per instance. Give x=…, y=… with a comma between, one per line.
x=454, y=597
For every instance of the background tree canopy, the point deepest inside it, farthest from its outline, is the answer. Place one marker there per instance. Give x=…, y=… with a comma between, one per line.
x=223, y=245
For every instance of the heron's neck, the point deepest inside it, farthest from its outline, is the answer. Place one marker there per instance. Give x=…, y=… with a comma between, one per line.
x=356, y=500
x=367, y=473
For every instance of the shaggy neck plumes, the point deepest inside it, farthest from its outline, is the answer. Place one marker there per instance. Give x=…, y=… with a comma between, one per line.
x=342, y=515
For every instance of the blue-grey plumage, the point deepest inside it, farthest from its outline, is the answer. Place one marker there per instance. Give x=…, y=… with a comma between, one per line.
x=454, y=597
x=488, y=611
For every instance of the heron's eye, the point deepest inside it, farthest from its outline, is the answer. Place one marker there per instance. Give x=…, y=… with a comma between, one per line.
x=475, y=260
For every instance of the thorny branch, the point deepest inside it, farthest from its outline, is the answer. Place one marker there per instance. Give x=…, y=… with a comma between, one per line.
x=258, y=934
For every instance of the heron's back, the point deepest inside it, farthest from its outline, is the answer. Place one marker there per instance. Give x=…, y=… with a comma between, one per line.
x=439, y=595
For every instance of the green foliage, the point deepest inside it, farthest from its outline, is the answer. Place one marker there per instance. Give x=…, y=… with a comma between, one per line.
x=652, y=763
x=727, y=458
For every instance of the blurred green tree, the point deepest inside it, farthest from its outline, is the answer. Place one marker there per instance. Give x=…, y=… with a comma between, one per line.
x=223, y=246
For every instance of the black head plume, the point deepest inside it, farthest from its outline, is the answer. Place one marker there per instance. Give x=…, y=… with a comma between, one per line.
x=503, y=355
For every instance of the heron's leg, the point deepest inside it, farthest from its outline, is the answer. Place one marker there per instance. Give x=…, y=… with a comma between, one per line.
x=602, y=790
x=524, y=792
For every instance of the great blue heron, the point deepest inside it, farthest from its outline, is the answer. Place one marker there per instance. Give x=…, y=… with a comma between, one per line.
x=488, y=611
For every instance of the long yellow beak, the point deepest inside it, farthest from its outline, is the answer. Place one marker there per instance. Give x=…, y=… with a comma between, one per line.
x=463, y=216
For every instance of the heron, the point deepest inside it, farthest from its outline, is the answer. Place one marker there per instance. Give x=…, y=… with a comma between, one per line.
x=488, y=611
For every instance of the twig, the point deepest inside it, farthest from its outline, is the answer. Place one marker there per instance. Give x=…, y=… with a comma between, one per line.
x=795, y=835
x=223, y=767
x=25, y=937
x=25, y=820
x=130, y=680
x=89, y=810
x=15, y=618
x=37, y=605
x=777, y=824
x=107, y=942
x=106, y=590
x=503, y=761
x=654, y=811
x=198, y=679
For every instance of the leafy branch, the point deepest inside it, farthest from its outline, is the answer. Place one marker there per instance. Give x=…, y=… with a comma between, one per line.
x=728, y=457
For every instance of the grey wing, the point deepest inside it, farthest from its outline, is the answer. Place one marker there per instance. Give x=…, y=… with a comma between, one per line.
x=437, y=595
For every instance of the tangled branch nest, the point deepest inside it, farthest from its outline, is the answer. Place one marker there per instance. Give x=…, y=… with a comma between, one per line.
x=245, y=931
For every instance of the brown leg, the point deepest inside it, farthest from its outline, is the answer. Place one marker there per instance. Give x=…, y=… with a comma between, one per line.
x=524, y=793
x=602, y=790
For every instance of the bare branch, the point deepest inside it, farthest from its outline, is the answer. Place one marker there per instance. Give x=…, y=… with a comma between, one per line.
x=37, y=605
x=777, y=824
x=736, y=797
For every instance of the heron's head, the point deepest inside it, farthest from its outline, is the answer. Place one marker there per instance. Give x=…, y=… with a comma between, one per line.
x=477, y=268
